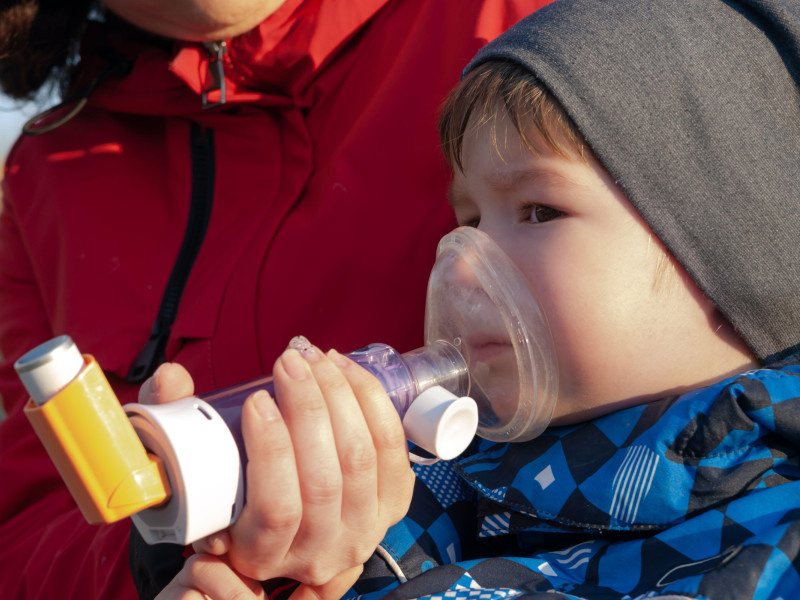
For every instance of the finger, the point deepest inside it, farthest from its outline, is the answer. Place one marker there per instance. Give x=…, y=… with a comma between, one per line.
x=333, y=590
x=175, y=591
x=395, y=477
x=305, y=411
x=358, y=458
x=263, y=534
x=357, y=463
x=211, y=576
x=170, y=382
x=217, y=544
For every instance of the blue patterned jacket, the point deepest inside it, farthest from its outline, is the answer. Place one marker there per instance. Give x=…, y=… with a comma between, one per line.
x=694, y=496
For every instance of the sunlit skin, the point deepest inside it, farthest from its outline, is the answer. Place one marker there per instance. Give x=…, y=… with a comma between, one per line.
x=621, y=337
x=195, y=20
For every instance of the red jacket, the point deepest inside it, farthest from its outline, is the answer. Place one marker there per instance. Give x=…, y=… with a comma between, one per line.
x=323, y=190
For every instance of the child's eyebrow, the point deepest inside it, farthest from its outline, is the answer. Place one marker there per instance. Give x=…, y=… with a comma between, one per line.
x=513, y=178
x=541, y=175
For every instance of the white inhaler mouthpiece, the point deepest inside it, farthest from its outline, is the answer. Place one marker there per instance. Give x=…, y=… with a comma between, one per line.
x=441, y=422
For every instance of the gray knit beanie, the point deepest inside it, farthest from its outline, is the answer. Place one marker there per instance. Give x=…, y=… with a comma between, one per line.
x=693, y=107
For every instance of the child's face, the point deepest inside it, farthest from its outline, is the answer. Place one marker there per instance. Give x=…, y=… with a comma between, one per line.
x=622, y=336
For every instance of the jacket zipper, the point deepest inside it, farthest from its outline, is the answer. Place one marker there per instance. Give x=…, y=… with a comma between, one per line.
x=216, y=73
x=202, y=197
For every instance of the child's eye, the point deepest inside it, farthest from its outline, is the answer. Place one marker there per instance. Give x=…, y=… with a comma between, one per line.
x=536, y=213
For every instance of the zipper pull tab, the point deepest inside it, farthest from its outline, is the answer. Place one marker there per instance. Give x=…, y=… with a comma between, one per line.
x=216, y=73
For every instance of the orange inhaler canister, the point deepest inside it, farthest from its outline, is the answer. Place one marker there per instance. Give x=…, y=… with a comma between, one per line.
x=87, y=434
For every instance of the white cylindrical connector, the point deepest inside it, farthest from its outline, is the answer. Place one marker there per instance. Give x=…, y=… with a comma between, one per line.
x=204, y=466
x=441, y=422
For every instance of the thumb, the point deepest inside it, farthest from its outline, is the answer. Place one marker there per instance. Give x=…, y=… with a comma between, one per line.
x=170, y=382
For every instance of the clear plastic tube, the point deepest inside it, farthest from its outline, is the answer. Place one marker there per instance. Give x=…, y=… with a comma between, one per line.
x=403, y=376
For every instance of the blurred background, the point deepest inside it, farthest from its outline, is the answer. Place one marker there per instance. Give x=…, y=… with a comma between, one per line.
x=13, y=115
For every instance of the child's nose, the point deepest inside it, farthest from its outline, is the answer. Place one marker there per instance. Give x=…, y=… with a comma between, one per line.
x=459, y=274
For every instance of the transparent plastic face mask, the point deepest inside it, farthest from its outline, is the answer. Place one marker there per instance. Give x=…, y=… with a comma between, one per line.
x=479, y=301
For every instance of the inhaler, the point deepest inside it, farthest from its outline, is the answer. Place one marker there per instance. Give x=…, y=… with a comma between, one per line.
x=177, y=468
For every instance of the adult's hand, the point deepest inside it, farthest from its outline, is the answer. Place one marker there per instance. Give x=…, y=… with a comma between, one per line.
x=327, y=474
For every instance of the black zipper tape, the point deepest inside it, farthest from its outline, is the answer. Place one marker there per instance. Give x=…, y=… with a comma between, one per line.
x=202, y=198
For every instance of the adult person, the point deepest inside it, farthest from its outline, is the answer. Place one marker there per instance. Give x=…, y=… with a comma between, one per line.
x=668, y=468
x=209, y=189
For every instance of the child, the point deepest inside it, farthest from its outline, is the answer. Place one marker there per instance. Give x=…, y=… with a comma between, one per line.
x=639, y=164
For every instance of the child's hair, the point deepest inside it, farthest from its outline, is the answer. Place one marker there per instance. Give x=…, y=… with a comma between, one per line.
x=507, y=85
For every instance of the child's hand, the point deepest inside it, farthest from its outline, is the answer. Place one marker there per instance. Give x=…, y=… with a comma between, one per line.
x=327, y=474
x=205, y=577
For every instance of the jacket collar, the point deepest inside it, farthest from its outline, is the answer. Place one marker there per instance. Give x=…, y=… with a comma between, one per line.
x=274, y=64
x=277, y=61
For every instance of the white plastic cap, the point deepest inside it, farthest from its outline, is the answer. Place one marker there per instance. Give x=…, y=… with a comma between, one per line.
x=441, y=422
x=48, y=368
x=203, y=465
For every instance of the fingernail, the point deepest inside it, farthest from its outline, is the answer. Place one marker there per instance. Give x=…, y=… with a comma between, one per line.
x=337, y=359
x=311, y=354
x=211, y=541
x=265, y=406
x=305, y=348
x=294, y=364
x=156, y=381
x=299, y=343
x=157, y=377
